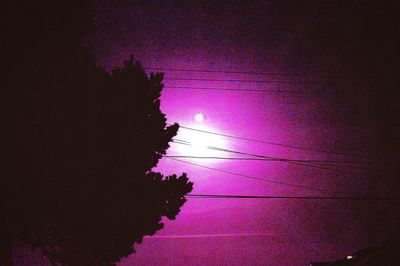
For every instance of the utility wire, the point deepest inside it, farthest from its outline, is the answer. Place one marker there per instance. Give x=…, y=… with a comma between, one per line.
x=228, y=89
x=265, y=142
x=258, y=178
x=265, y=157
x=219, y=196
x=226, y=71
x=330, y=164
x=250, y=81
x=273, y=159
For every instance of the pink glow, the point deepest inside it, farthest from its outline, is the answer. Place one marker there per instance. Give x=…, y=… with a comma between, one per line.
x=270, y=117
x=296, y=232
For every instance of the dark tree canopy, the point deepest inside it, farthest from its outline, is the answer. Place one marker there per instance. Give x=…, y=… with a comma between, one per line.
x=80, y=144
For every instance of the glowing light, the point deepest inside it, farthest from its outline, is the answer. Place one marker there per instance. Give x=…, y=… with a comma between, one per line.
x=199, y=144
x=199, y=117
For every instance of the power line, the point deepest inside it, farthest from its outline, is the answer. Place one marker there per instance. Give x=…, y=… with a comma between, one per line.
x=228, y=89
x=325, y=163
x=319, y=164
x=258, y=178
x=219, y=196
x=262, y=141
x=226, y=71
x=266, y=157
x=273, y=159
x=306, y=82
x=266, y=73
x=251, y=81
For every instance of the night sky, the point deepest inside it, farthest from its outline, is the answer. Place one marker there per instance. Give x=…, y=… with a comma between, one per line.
x=320, y=75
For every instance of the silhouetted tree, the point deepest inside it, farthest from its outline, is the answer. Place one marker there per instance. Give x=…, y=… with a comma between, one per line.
x=80, y=144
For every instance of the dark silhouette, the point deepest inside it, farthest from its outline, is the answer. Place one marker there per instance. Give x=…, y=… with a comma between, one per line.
x=79, y=143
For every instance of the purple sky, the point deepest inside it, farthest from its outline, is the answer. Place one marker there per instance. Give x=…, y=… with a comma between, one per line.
x=318, y=41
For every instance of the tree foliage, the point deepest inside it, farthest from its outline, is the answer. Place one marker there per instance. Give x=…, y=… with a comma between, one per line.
x=80, y=143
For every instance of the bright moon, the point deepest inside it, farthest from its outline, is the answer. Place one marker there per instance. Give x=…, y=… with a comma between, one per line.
x=199, y=117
